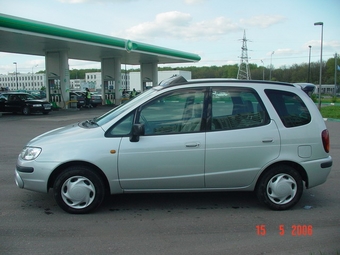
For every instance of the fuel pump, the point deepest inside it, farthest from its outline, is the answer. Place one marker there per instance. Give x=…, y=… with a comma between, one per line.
x=109, y=90
x=55, y=91
x=147, y=83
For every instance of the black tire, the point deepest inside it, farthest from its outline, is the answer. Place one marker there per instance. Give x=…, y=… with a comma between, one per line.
x=78, y=190
x=280, y=188
x=26, y=110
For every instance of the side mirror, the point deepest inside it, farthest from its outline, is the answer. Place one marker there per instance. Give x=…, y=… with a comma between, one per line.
x=136, y=132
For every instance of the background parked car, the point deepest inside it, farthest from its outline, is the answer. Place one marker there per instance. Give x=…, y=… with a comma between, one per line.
x=96, y=99
x=128, y=94
x=79, y=97
x=38, y=94
x=24, y=103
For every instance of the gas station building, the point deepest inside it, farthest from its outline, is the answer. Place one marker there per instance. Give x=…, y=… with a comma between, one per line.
x=59, y=44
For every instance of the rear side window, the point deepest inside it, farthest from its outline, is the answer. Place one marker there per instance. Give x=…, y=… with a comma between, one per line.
x=290, y=108
x=236, y=108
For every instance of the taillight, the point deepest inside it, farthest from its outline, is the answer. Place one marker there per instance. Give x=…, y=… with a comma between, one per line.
x=325, y=140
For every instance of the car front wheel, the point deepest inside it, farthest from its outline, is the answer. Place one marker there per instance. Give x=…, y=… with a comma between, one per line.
x=280, y=188
x=26, y=110
x=78, y=190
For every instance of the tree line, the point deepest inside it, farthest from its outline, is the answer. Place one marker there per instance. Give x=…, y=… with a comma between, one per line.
x=292, y=74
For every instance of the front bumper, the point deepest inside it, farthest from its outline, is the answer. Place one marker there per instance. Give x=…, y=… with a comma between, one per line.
x=18, y=181
x=40, y=109
x=32, y=175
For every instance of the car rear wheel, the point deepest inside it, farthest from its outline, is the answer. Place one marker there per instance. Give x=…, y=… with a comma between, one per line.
x=78, y=190
x=280, y=188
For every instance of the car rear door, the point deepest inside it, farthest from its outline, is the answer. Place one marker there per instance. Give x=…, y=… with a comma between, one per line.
x=242, y=139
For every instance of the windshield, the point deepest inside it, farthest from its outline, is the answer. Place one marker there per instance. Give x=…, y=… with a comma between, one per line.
x=105, y=118
x=29, y=97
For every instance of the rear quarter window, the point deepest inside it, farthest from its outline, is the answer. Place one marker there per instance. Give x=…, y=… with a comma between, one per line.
x=290, y=108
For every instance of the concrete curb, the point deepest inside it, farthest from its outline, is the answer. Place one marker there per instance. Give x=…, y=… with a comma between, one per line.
x=330, y=119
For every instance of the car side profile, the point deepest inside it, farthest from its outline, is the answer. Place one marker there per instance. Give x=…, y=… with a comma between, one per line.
x=20, y=102
x=197, y=135
x=95, y=100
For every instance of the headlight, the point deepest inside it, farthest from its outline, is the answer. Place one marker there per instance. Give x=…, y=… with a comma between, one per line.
x=30, y=153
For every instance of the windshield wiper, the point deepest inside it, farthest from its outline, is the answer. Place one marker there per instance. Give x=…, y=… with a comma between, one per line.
x=92, y=122
x=89, y=123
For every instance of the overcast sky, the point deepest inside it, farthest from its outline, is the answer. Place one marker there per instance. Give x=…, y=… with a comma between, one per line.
x=213, y=29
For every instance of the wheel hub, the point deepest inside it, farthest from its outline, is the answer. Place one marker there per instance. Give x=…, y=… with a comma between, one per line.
x=78, y=192
x=281, y=189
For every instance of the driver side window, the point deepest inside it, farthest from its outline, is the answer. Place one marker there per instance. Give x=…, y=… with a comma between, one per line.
x=177, y=112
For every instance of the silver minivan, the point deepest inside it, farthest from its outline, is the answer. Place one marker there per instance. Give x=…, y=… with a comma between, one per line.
x=197, y=135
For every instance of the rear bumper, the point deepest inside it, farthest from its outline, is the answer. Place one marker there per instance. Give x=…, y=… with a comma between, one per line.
x=318, y=171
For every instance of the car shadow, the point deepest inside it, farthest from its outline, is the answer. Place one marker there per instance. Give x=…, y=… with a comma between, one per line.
x=180, y=201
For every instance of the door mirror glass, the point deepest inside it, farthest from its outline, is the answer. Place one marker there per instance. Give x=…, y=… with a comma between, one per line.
x=136, y=132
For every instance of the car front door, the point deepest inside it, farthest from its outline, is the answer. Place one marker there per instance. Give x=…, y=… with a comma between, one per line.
x=171, y=153
x=14, y=103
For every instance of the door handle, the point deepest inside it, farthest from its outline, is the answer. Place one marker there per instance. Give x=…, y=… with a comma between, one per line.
x=192, y=145
x=268, y=140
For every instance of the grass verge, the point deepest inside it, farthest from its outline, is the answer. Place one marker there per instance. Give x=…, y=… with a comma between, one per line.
x=331, y=111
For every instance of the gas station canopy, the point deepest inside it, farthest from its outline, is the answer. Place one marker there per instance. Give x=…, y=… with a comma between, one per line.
x=30, y=37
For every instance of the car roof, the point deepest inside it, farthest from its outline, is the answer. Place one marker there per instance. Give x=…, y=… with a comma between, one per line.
x=180, y=80
x=14, y=93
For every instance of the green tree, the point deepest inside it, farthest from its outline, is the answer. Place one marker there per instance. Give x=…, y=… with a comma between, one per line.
x=292, y=74
x=330, y=69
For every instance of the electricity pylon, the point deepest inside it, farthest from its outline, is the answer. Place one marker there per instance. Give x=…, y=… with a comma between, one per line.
x=243, y=69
